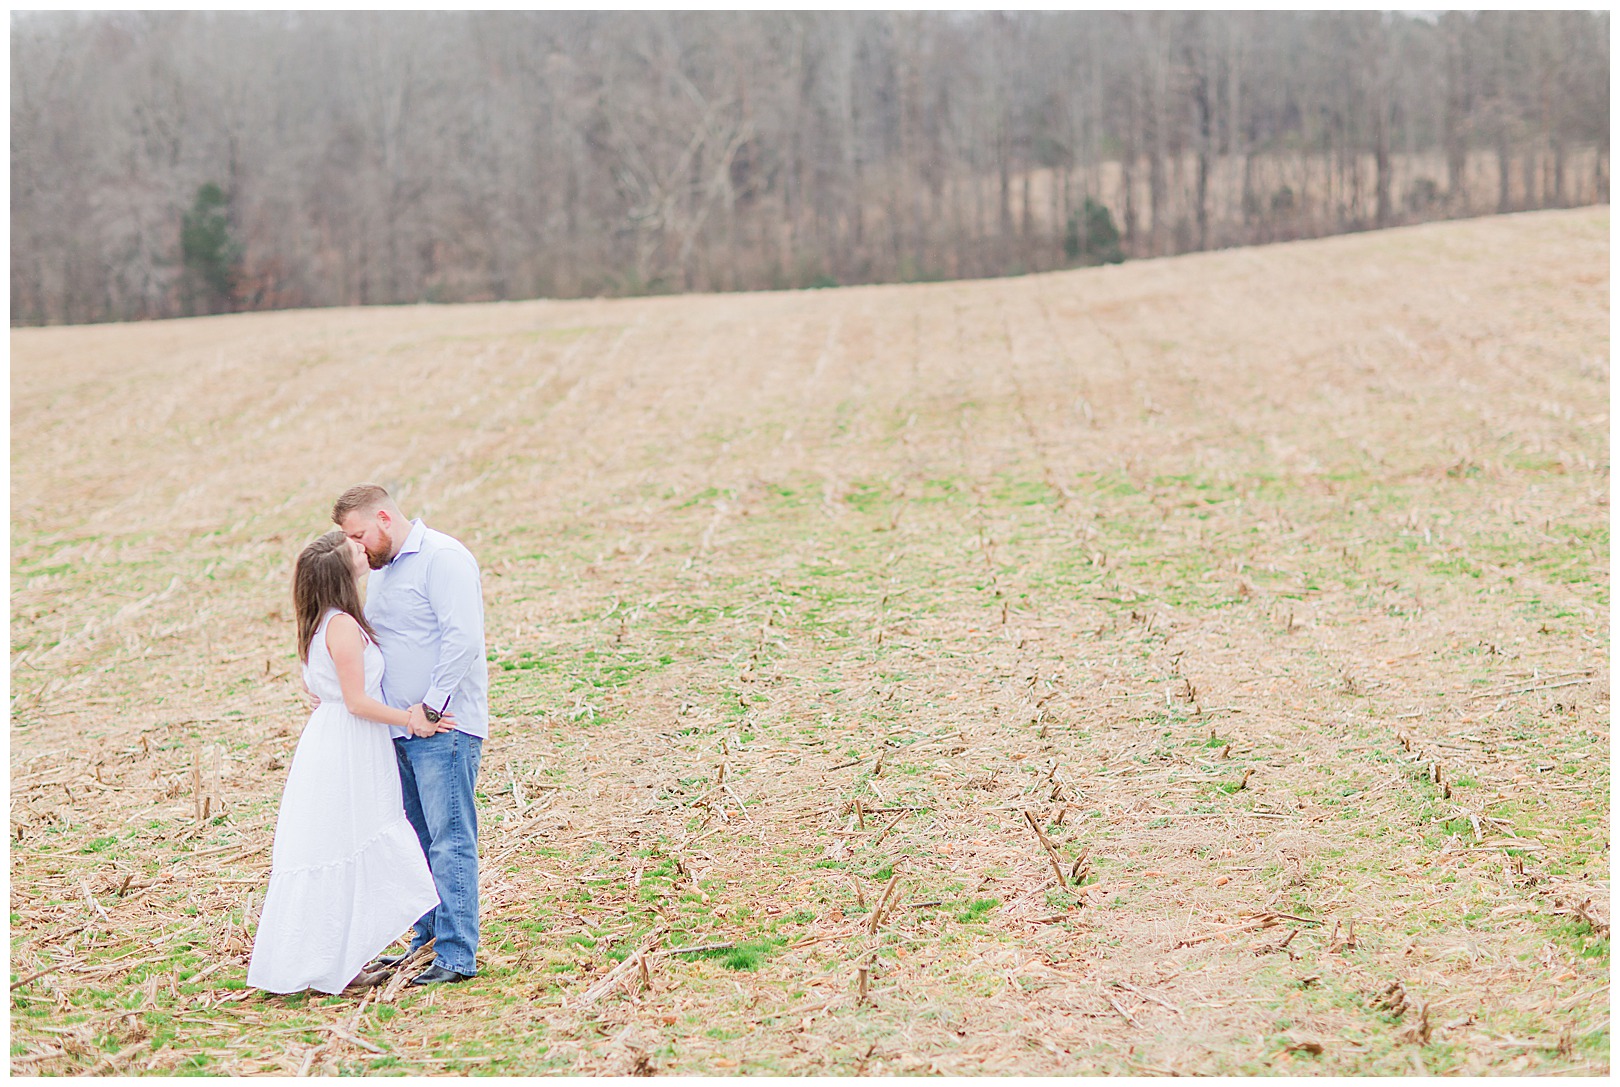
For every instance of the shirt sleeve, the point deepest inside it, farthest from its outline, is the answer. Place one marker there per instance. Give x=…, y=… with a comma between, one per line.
x=454, y=593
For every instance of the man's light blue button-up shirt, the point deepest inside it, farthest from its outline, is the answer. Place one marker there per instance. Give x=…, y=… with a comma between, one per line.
x=427, y=607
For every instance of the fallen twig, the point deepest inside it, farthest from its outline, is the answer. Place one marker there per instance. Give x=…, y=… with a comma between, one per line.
x=1265, y=920
x=881, y=908
x=309, y=1059
x=1047, y=847
x=1123, y=1013
x=1268, y=949
x=113, y=1060
x=633, y=963
x=353, y=1039
x=1146, y=995
x=1497, y=692
x=1288, y=917
x=42, y=973
x=693, y=949
x=1584, y=911
x=739, y=801
x=891, y=826
x=90, y=899
x=403, y=971
x=220, y=965
x=31, y=1058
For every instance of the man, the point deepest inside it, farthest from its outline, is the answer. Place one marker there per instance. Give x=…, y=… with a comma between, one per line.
x=425, y=601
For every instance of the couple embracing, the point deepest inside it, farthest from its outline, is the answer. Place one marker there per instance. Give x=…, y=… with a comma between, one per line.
x=377, y=830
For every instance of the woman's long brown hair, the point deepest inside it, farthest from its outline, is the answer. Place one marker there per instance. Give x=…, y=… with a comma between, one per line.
x=324, y=578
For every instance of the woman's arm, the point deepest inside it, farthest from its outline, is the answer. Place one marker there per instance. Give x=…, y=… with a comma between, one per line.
x=348, y=648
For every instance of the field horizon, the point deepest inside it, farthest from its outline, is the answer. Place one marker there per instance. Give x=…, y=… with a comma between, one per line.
x=1196, y=666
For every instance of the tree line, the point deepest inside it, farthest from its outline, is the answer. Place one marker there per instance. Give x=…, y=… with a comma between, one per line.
x=173, y=163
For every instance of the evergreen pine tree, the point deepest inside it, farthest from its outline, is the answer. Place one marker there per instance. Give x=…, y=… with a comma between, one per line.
x=210, y=256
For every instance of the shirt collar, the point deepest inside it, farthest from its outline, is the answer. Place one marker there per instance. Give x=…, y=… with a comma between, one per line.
x=413, y=541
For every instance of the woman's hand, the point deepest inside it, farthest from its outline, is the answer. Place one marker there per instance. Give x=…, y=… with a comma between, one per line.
x=420, y=727
x=347, y=644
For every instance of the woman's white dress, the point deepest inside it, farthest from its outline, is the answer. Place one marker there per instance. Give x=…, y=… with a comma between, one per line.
x=347, y=873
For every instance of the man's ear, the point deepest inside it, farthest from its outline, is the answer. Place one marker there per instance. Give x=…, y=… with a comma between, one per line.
x=382, y=516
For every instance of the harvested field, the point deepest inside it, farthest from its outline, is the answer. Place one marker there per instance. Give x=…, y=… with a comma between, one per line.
x=1193, y=666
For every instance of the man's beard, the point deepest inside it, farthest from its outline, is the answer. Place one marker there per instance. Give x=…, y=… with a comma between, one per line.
x=384, y=554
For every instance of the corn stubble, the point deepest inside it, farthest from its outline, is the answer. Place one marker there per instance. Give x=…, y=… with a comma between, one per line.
x=1192, y=666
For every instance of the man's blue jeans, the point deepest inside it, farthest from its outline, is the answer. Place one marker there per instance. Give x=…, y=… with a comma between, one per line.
x=437, y=775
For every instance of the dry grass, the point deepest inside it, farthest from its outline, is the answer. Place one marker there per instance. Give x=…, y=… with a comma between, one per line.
x=1274, y=582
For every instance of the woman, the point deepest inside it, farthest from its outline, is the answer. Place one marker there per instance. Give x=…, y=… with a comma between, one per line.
x=347, y=873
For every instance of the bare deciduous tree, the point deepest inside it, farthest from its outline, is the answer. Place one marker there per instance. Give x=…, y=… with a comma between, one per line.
x=443, y=156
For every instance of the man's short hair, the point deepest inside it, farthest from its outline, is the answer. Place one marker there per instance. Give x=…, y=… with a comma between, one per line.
x=365, y=497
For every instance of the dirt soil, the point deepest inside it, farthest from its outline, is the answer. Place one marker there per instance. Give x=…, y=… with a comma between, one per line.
x=1196, y=666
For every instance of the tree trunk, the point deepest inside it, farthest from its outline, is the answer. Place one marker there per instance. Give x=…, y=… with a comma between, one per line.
x=1158, y=186
x=1251, y=199
x=1457, y=176
x=1128, y=177
x=859, y=187
x=1004, y=176
x=1205, y=151
x=1504, y=174
x=1026, y=220
x=1056, y=193
x=1558, y=197
x=1381, y=155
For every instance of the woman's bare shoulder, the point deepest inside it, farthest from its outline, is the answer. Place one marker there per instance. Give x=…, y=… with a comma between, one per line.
x=342, y=632
x=342, y=620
